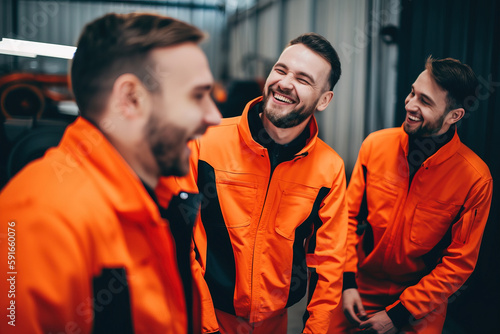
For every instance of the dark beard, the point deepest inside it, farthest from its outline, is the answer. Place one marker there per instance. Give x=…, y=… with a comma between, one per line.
x=164, y=144
x=167, y=168
x=426, y=131
x=294, y=118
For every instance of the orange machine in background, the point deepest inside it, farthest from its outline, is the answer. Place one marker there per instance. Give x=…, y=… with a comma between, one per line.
x=33, y=95
x=34, y=111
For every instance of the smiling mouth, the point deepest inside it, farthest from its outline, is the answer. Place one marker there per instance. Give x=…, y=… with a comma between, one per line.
x=414, y=118
x=282, y=98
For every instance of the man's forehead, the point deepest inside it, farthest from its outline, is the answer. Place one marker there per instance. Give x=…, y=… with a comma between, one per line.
x=185, y=62
x=300, y=58
x=425, y=80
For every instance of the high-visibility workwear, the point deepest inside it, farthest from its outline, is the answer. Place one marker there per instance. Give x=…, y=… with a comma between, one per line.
x=421, y=239
x=260, y=228
x=91, y=252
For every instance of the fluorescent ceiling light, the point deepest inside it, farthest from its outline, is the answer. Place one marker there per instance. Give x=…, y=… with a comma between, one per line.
x=19, y=47
x=15, y=53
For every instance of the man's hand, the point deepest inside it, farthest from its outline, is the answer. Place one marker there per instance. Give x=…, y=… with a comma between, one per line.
x=352, y=306
x=379, y=323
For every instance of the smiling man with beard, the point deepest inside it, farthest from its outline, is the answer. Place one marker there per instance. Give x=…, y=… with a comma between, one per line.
x=418, y=203
x=273, y=222
x=93, y=251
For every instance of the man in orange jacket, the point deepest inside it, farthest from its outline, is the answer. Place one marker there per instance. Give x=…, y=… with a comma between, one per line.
x=84, y=246
x=274, y=209
x=418, y=203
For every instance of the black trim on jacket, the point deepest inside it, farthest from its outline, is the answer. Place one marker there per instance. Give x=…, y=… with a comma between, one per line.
x=220, y=273
x=111, y=303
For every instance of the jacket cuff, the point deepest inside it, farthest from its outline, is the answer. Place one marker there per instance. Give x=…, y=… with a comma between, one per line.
x=349, y=281
x=400, y=316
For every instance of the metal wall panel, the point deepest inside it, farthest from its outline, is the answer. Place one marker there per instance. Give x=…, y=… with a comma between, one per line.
x=297, y=18
x=61, y=22
x=382, y=66
x=6, y=17
x=6, y=62
x=342, y=123
x=243, y=47
x=269, y=45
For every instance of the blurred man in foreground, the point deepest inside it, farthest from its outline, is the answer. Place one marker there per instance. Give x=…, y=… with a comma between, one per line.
x=89, y=249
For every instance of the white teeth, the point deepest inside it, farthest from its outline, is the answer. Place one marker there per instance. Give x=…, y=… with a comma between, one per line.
x=282, y=98
x=413, y=118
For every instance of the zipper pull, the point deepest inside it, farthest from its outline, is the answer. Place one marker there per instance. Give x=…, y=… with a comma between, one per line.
x=302, y=155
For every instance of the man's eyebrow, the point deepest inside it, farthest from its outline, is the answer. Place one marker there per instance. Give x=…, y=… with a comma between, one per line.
x=203, y=87
x=302, y=74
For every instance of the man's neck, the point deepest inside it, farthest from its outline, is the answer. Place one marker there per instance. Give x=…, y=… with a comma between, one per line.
x=283, y=136
x=261, y=136
x=139, y=159
x=421, y=148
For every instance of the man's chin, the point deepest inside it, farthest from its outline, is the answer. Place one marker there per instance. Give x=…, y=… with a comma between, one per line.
x=179, y=171
x=410, y=131
x=176, y=169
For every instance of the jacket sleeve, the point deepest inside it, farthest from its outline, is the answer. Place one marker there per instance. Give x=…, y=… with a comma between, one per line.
x=166, y=189
x=326, y=257
x=43, y=248
x=357, y=211
x=458, y=261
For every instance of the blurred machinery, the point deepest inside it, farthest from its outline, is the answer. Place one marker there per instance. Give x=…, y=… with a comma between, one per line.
x=232, y=98
x=34, y=112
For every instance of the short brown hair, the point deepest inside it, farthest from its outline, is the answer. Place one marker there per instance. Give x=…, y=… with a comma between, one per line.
x=120, y=43
x=321, y=46
x=456, y=78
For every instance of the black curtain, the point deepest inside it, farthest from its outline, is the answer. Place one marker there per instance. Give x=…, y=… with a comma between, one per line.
x=465, y=30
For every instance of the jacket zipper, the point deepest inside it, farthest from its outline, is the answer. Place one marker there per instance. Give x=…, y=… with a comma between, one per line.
x=297, y=157
x=252, y=306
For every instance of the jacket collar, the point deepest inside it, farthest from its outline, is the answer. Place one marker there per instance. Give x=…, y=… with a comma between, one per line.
x=246, y=133
x=86, y=147
x=443, y=154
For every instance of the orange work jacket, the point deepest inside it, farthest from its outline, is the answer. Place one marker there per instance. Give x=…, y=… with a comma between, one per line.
x=259, y=232
x=421, y=241
x=90, y=251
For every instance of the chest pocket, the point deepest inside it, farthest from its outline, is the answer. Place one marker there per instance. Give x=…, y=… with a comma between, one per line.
x=294, y=208
x=431, y=221
x=232, y=194
x=381, y=200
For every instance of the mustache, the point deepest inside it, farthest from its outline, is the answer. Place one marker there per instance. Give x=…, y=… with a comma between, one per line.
x=286, y=92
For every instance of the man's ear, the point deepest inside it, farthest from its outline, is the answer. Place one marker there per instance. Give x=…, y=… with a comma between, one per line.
x=455, y=115
x=324, y=100
x=129, y=96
